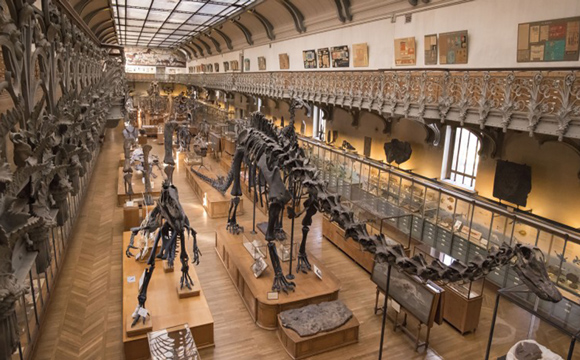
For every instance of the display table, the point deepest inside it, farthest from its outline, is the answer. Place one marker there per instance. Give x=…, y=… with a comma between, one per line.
x=254, y=291
x=301, y=347
x=335, y=235
x=215, y=204
x=164, y=304
x=138, y=188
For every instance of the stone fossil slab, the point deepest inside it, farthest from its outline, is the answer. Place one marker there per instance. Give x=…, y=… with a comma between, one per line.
x=312, y=319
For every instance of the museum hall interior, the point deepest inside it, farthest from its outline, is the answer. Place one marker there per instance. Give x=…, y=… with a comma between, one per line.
x=289, y=179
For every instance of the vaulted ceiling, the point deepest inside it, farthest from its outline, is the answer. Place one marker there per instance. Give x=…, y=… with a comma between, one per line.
x=98, y=16
x=206, y=27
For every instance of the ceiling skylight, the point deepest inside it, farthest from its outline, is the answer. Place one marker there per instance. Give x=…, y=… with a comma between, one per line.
x=168, y=23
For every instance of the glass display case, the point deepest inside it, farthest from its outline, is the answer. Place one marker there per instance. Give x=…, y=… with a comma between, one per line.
x=551, y=327
x=459, y=224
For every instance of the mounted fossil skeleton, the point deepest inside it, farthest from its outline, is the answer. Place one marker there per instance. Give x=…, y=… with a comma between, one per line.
x=169, y=221
x=279, y=159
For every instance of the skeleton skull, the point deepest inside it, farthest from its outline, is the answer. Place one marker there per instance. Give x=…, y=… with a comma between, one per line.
x=531, y=268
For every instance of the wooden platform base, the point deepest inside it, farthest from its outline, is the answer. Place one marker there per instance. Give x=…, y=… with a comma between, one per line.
x=166, y=267
x=215, y=204
x=167, y=309
x=301, y=347
x=254, y=291
x=138, y=188
x=139, y=328
x=185, y=292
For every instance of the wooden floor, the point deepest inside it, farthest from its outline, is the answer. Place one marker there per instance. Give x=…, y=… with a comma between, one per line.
x=84, y=317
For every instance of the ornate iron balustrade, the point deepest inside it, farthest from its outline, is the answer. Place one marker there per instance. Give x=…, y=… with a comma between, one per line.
x=540, y=101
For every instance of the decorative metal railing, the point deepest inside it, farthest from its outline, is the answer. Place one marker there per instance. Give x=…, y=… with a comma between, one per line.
x=537, y=101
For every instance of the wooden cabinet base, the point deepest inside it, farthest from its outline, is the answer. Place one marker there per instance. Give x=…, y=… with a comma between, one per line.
x=335, y=235
x=254, y=291
x=301, y=347
x=460, y=312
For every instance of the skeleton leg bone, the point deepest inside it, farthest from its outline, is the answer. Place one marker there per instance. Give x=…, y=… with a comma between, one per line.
x=142, y=297
x=185, y=277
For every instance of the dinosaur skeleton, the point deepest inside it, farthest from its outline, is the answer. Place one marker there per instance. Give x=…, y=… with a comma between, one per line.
x=169, y=221
x=279, y=159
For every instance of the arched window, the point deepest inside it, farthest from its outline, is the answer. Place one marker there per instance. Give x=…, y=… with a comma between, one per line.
x=460, y=157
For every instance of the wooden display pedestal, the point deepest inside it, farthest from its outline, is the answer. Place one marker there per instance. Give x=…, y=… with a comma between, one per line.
x=167, y=268
x=139, y=328
x=215, y=204
x=460, y=312
x=254, y=291
x=185, y=292
x=138, y=188
x=166, y=307
x=301, y=347
x=335, y=235
x=131, y=216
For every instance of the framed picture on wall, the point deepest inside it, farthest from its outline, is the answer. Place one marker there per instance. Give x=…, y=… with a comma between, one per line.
x=284, y=61
x=309, y=57
x=549, y=40
x=216, y=66
x=261, y=63
x=226, y=66
x=360, y=55
x=340, y=56
x=431, y=49
x=405, y=51
x=234, y=65
x=323, y=58
x=453, y=48
x=246, y=64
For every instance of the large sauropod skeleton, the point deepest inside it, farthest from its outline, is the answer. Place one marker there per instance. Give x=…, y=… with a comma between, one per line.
x=281, y=161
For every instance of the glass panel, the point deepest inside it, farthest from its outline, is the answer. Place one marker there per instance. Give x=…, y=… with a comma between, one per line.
x=480, y=227
x=364, y=186
x=554, y=258
x=525, y=234
x=333, y=173
x=431, y=205
x=447, y=206
x=501, y=230
x=405, y=194
x=570, y=273
x=393, y=189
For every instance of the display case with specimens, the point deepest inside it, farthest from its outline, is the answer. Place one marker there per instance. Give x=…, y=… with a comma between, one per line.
x=457, y=223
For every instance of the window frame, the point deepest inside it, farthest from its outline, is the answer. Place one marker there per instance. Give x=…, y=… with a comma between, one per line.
x=450, y=165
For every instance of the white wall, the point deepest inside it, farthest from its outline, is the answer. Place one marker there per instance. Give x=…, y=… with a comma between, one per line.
x=492, y=26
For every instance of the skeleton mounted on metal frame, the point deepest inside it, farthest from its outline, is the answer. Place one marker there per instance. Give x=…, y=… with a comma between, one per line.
x=281, y=161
